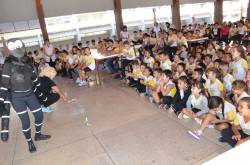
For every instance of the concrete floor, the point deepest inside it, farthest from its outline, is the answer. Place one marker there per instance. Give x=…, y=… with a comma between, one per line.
x=122, y=129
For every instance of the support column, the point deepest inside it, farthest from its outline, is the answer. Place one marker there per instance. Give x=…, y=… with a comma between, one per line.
x=218, y=11
x=118, y=16
x=40, y=15
x=248, y=10
x=176, y=18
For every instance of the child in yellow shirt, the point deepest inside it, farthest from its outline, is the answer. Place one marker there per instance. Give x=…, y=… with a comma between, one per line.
x=213, y=85
x=240, y=130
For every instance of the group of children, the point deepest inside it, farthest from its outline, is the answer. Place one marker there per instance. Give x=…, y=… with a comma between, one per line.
x=208, y=83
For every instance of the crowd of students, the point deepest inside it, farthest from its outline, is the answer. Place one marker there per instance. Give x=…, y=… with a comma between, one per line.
x=207, y=82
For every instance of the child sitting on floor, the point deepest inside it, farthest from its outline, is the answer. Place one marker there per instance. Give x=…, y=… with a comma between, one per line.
x=228, y=79
x=165, y=61
x=180, y=99
x=146, y=81
x=239, y=66
x=133, y=78
x=167, y=91
x=180, y=71
x=239, y=89
x=197, y=75
x=89, y=66
x=213, y=85
x=220, y=114
x=240, y=130
x=157, y=73
x=197, y=104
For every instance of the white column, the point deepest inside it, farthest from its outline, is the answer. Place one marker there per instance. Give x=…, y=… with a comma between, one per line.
x=39, y=38
x=75, y=25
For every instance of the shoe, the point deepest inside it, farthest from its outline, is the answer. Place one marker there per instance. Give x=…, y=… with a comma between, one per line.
x=180, y=116
x=82, y=83
x=46, y=110
x=151, y=99
x=39, y=137
x=185, y=116
x=195, y=134
x=32, y=147
x=5, y=136
x=78, y=81
x=210, y=126
x=198, y=121
x=142, y=94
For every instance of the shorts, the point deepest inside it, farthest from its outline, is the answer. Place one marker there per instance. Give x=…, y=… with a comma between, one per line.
x=87, y=70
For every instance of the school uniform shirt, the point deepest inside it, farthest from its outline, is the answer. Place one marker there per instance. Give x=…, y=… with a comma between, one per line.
x=200, y=103
x=166, y=65
x=178, y=75
x=214, y=88
x=137, y=74
x=228, y=80
x=239, y=121
x=90, y=61
x=172, y=92
x=238, y=70
x=229, y=112
x=244, y=94
x=129, y=53
x=149, y=61
x=242, y=30
x=184, y=55
x=182, y=41
x=149, y=81
x=190, y=66
x=73, y=59
x=173, y=38
x=156, y=82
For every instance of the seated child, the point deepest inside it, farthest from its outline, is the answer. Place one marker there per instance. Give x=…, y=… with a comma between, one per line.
x=239, y=89
x=197, y=75
x=180, y=71
x=149, y=60
x=190, y=64
x=89, y=66
x=247, y=80
x=128, y=54
x=240, y=130
x=221, y=113
x=208, y=61
x=167, y=90
x=228, y=79
x=134, y=77
x=165, y=61
x=182, y=94
x=157, y=73
x=213, y=85
x=145, y=82
x=197, y=104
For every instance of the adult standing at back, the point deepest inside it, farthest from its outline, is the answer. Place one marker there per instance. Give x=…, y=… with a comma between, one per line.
x=49, y=53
